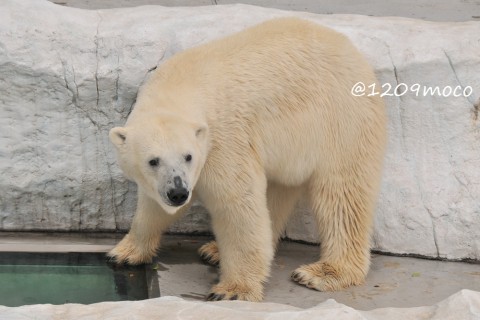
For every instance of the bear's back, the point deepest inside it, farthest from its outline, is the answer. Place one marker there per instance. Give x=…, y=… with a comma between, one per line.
x=282, y=85
x=282, y=65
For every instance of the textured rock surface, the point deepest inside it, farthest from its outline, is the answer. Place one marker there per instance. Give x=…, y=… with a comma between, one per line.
x=68, y=75
x=462, y=305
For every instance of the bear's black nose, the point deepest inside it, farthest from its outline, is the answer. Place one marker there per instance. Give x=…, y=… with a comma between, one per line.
x=178, y=196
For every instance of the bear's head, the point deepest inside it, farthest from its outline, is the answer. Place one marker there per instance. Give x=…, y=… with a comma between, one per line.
x=164, y=155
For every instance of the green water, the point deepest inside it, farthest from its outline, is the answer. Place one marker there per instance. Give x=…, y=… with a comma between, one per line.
x=57, y=278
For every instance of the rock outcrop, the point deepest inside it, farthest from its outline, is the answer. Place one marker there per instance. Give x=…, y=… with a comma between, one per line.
x=68, y=75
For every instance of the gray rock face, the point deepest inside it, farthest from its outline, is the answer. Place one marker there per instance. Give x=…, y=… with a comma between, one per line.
x=68, y=75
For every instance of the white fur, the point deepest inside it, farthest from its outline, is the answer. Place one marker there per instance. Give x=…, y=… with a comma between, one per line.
x=268, y=116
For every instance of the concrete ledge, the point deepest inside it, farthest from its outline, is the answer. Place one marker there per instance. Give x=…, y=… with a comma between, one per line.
x=57, y=242
x=69, y=75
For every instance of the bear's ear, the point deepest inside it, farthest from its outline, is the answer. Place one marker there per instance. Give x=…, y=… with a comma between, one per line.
x=118, y=136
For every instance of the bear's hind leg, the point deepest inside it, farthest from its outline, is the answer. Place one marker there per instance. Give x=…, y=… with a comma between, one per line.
x=140, y=244
x=344, y=211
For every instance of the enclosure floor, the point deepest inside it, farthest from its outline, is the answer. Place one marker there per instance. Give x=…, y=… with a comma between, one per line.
x=391, y=282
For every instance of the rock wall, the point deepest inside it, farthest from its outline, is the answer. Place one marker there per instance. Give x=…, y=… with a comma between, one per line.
x=69, y=75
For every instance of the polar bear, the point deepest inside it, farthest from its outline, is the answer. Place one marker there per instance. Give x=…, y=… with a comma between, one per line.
x=248, y=124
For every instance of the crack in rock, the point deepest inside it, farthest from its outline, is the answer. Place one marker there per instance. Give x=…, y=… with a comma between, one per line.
x=475, y=106
x=395, y=73
x=74, y=93
x=147, y=73
x=401, y=114
x=402, y=128
x=96, y=40
x=75, y=81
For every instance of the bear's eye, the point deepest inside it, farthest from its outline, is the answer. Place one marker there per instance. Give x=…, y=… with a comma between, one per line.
x=154, y=162
x=188, y=157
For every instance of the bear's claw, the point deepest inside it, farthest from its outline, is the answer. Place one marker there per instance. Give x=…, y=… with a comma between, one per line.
x=128, y=253
x=215, y=297
x=218, y=297
x=113, y=261
x=235, y=292
x=324, y=277
x=296, y=276
x=209, y=253
x=208, y=259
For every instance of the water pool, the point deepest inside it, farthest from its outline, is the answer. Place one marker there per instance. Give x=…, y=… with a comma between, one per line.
x=57, y=278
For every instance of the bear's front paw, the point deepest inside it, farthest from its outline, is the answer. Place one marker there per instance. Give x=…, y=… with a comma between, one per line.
x=127, y=252
x=209, y=253
x=326, y=277
x=235, y=292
